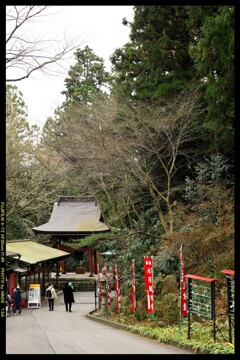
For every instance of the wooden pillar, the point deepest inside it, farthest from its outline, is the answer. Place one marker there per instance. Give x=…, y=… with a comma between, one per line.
x=43, y=282
x=58, y=265
x=64, y=266
x=62, y=263
x=48, y=272
x=57, y=274
x=90, y=262
x=12, y=282
x=95, y=261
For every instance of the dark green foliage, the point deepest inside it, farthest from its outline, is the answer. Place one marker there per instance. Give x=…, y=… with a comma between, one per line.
x=213, y=54
x=71, y=264
x=156, y=63
x=213, y=170
x=141, y=310
x=17, y=228
x=166, y=263
x=170, y=47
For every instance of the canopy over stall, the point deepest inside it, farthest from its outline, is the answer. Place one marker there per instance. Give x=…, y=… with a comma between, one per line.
x=27, y=258
x=33, y=253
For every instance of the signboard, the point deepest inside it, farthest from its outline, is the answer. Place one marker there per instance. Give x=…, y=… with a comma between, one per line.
x=230, y=277
x=201, y=296
x=148, y=272
x=201, y=299
x=34, y=296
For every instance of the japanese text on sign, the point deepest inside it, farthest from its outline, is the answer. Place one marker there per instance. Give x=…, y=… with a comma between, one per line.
x=148, y=273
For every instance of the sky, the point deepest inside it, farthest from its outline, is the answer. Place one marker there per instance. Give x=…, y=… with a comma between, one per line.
x=99, y=27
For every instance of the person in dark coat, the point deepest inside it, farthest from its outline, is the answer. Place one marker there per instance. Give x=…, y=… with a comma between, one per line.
x=17, y=300
x=68, y=296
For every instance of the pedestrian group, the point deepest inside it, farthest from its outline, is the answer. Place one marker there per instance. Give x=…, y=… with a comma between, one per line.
x=14, y=302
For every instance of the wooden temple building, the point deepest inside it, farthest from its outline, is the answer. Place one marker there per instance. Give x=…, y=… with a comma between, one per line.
x=73, y=218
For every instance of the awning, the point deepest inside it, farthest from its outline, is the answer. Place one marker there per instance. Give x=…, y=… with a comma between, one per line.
x=12, y=254
x=20, y=270
x=74, y=215
x=9, y=267
x=32, y=252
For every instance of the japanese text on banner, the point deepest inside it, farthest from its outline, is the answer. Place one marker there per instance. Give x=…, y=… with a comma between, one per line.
x=148, y=273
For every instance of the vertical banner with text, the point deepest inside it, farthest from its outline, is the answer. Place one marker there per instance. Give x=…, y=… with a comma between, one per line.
x=148, y=274
x=133, y=287
x=182, y=286
x=3, y=259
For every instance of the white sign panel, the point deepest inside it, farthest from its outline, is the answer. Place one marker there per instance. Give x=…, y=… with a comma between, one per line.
x=34, y=296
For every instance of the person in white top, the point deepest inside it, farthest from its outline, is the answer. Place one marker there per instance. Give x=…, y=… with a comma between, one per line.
x=51, y=295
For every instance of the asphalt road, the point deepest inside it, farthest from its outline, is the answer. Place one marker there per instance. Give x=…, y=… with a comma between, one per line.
x=40, y=331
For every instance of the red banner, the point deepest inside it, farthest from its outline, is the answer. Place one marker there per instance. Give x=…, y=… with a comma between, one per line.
x=133, y=288
x=182, y=287
x=148, y=273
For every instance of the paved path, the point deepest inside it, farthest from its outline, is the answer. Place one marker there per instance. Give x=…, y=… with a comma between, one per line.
x=40, y=331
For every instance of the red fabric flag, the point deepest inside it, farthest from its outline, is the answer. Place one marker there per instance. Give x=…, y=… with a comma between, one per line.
x=182, y=287
x=133, y=288
x=148, y=272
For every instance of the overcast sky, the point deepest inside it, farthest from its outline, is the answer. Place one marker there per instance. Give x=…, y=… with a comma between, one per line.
x=99, y=27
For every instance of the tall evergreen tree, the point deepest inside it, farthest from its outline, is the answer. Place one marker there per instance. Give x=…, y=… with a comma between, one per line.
x=175, y=47
x=156, y=63
x=213, y=54
x=87, y=77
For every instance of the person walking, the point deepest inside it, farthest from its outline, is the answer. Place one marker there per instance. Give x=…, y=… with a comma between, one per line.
x=17, y=300
x=9, y=303
x=51, y=295
x=68, y=296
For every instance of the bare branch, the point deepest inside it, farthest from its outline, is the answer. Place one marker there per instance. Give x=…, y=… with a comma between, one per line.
x=26, y=54
x=120, y=148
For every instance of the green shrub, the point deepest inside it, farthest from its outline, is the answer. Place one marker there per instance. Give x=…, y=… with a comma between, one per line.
x=141, y=310
x=167, y=309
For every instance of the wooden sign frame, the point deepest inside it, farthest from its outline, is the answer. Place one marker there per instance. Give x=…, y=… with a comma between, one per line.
x=201, y=299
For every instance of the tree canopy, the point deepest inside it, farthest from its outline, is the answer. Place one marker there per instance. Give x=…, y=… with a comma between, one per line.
x=152, y=141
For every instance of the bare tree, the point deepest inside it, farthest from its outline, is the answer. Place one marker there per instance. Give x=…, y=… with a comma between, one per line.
x=119, y=148
x=33, y=176
x=26, y=54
